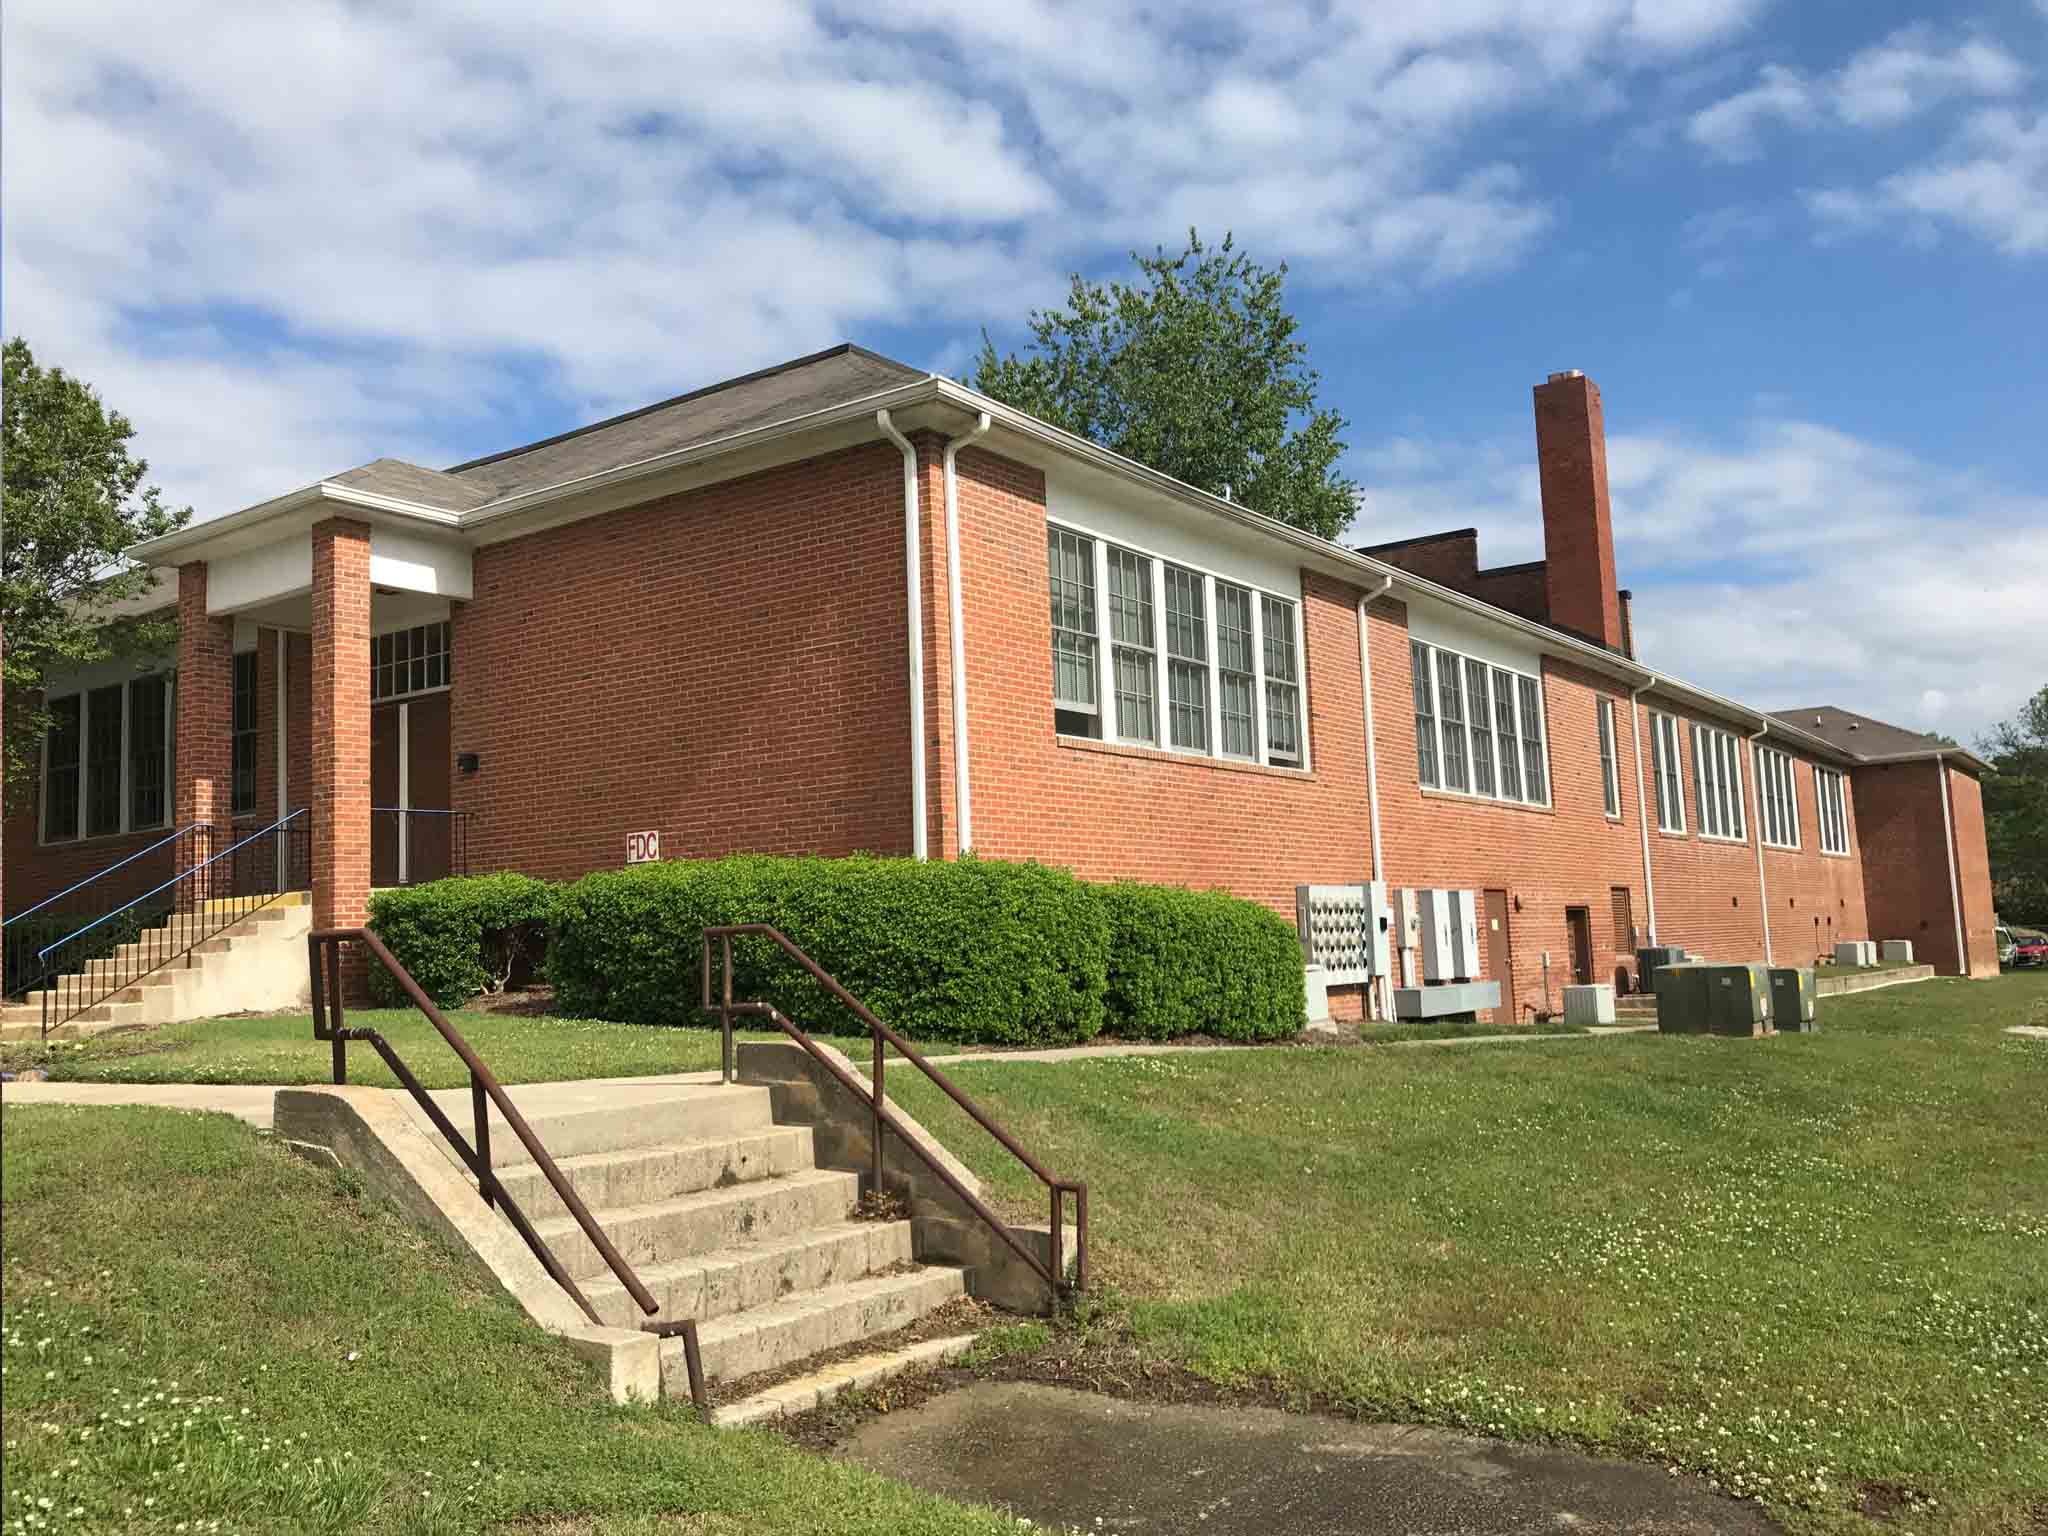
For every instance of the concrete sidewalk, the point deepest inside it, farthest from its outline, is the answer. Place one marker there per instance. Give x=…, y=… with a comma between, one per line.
x=252, y=1103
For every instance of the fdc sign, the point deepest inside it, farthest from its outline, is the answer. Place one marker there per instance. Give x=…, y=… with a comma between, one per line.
x=642, y=847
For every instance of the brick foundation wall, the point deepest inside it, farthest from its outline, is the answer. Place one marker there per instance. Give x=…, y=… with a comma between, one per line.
x=726, y=666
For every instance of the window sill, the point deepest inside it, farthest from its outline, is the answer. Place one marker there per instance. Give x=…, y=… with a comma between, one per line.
x=99, y=839
x=1679, y=836
x=1829, y=853
x=1771, y=847
x=1716, y=837
x=1459, y=797
x=1181, y=759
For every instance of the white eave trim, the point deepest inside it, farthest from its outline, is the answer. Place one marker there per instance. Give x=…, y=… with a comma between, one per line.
x=190, y=543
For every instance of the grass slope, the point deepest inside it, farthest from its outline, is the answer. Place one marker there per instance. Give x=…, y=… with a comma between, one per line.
x=203, y=1333
x=1802, y=1265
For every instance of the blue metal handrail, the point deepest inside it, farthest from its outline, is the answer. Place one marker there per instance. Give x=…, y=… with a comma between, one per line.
x=183, y=875
x=101, y=874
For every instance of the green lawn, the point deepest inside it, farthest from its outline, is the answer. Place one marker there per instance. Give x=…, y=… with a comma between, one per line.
x=1800, y=1264
x=203, y=1333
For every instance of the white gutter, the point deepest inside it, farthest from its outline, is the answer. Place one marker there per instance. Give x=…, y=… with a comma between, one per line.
x=1372, y=769
x=913, y=560
x=956, y=631
x=1948, y=843
x=1756, y=834
x=1635, y=731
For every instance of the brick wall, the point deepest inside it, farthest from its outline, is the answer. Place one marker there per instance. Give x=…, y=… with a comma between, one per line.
x=204, y=788
x=726, y=666
x=1578, y=534
x=340, y=717
x=1898, y=819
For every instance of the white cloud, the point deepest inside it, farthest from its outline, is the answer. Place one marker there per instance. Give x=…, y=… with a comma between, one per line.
x=1991, y=181
x=1794, y=564
x=1907, y=74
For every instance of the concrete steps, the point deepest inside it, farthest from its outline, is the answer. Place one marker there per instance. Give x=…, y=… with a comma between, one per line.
x=724, y=1216
x=258, y=963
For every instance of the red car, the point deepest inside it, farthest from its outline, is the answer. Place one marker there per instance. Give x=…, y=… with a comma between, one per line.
x=2030, y=952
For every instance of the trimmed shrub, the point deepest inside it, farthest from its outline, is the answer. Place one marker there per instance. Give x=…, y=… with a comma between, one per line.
x=1200, y=963
x=974, y=950
x=461, y=936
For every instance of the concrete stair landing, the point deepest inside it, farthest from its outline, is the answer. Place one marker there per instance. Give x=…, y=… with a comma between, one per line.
x=724, y=1216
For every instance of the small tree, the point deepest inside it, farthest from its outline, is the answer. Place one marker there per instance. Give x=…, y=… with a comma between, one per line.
x=71, y=502
x=1194, y=370
x=2016, y=812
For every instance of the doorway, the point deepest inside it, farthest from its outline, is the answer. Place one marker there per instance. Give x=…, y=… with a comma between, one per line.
x=1500, y=955
x=1579, y=921
x=409, y=772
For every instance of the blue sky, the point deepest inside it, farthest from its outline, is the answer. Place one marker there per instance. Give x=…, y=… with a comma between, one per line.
x=1803, y=248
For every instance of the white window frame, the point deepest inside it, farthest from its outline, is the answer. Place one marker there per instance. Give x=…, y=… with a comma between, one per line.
x=1667, y=760
x=1777, y=794
x=1507, y=726
x=45, y=834
x=1610, y=760
x=1831, y=802
x=446, y=653
x=1429, y=761
x=1212, y=580
x=1717, y=784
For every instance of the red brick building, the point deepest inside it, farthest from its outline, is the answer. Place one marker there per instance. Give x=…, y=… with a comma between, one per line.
x=807, y=611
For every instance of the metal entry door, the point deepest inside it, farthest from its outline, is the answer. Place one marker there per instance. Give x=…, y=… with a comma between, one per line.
x=1500, y=954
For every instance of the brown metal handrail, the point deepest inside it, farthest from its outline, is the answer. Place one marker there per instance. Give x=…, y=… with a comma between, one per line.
x=324, y=959
x=882, y=1116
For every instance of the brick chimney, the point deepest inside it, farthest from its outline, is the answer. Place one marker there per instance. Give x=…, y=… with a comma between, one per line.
x=1578, y=532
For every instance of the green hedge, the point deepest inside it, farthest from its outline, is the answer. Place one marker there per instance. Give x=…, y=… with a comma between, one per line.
x=970, y=951
x=1200, y=963
x=461, y=936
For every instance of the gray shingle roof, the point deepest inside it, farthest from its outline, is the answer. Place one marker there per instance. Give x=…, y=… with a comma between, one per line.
x=1857, y=734
x=796, y=388
x=409, y=482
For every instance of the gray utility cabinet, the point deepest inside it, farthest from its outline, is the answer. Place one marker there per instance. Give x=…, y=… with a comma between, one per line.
x=1792, y=999
x=1698, y=998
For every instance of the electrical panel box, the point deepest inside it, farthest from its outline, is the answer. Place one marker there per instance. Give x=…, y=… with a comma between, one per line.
x=1738, y=999
x=1681, y=998
x=1438, y=961
x=1467, y=958
x=1792, y=997
x=1407, y=918
x=1380, y=930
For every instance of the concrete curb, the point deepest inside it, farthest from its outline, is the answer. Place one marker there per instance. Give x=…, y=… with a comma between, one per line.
x=372, y=1131
x=855, y=1374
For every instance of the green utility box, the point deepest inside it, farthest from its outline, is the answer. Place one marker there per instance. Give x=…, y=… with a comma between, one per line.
x=1738, y=1000
x=1682, y=1002
x=1792, y=997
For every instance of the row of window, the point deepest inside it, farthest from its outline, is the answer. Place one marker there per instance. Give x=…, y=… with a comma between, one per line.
x=108, y=767
x=1717, y=788
x=1226, y=660
x=1478, y=727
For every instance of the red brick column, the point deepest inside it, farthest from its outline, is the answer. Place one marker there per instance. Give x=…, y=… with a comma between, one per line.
x=340, y=715
x=205, y=724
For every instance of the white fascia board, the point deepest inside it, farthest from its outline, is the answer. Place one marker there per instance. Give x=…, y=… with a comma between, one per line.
x=409, y=561
x=252, y=577
x=257, y=525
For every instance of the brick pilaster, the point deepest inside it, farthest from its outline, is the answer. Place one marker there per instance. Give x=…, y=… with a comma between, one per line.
x=205, y=725
x=340, y=720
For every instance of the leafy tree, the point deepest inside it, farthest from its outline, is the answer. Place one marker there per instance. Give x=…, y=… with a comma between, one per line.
x=71, y=501
x=2016, y=813
x=1196, y=370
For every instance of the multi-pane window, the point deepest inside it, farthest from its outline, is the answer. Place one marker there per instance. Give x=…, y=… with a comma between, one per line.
x=107, y=761
x=1829, y=795
x=1478, y=728
x=1535, y=764
x=1777, y=798
x=1236, y=671
x=149, y=747
x=410, y=661
x=103, y=761
x=1505, y=739
x=1477, y=696
x=1133, y=660
x=1075, y=675
x=1664, y=757
x=1425, y=715
x=1187, y=660
x=1283, y=683
x=1717, y=781
x=1191, y=662
x=1450, y=692
x=1610, y=769
x=244, y=761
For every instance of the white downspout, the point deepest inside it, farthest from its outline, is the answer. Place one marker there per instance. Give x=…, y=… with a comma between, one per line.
x=1635, y=731
x=283, y=805
x=1948, y=839
x=963, y=814
x=1372, y=772
x=1756, y=832
x=913, y=560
